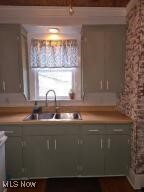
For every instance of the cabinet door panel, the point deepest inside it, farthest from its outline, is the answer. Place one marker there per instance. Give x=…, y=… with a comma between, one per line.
x=66, y=155
x=10, y=61
x=38, y=157
x=93, y=155
x=14, y=162
x=116, y=155
x=114, y=60
x=93, y=60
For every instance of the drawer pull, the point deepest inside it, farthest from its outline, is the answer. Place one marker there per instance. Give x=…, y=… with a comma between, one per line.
x=118, y=130
x=93, y=130
x=9, y=132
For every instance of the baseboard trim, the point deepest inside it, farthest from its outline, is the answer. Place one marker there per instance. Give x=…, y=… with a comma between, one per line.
x=136, y=180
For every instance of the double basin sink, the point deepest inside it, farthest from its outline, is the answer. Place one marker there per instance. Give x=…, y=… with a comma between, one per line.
x=53, y=116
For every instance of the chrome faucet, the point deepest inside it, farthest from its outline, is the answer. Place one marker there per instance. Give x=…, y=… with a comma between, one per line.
x=55, y=100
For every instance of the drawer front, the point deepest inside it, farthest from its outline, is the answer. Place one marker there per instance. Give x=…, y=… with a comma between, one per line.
x=92, y=129
x=51, y=130
x=11, y=130
x=117, y=129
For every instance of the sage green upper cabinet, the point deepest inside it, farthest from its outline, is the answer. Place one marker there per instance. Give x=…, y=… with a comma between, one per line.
x=93, y=61
x=103, y=58
x=114, y=58
x=11, y=59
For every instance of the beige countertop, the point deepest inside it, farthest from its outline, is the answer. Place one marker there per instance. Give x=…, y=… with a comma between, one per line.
x=100, y=117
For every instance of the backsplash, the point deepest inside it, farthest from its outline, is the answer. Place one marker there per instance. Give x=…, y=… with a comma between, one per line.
x=91, y=99
x=132, y=99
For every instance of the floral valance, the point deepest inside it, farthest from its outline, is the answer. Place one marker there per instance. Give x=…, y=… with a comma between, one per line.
x=54, y=54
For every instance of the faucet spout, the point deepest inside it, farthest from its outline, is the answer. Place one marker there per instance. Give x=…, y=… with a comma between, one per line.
x=55, y=99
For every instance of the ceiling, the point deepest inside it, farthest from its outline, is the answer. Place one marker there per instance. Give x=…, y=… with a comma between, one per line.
x=77, y=3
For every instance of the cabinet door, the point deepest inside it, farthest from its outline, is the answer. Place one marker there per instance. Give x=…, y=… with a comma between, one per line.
x=92, y=155
x=114, y=59
x=66, y=155
x=93, y=59
x=9, y=61
x=116, y=155
x=23, y=55
x=14, y=162
x=38, y=156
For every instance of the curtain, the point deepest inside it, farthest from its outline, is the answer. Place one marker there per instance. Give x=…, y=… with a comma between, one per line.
x=54, y=54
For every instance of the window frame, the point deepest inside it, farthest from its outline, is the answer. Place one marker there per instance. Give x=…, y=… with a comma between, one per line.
x=77, y=75
x=38, y=97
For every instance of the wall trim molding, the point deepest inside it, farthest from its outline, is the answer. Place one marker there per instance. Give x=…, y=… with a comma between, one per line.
x=136, y=180
x=60, y=15
x=130, y=5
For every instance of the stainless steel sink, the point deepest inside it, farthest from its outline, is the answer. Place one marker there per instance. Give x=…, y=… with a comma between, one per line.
x=53, y=116
x=39, y=116
x=67, y=116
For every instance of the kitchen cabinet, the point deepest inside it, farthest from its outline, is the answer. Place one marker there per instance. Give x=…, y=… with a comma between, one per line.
x=92, y=155
x=14, y=151
x=57, y=147
x=13, y=59
x=36, y=151
x=105, y=149
x=103, y=58
x=50, y=156
x=70, y=150
x=14, y=161
x=116, y=155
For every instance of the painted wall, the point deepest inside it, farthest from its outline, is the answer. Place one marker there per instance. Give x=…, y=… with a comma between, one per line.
x=132, y=99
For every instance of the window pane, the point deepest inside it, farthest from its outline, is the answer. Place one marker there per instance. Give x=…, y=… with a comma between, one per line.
x=56, y=79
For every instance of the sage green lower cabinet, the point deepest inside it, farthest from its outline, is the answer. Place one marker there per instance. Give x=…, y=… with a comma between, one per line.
x=116, y=155
x=14, y=161
x=66, y=155
x=38, y=158
x=41, y=151
x=14, y=151
x=92, y=155
x=50, y=156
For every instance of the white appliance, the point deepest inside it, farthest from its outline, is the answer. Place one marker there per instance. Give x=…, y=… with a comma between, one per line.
x=3, y=139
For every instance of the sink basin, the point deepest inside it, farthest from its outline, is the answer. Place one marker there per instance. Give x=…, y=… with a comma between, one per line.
x=53, y=116
x=39, y=116
x=67, y=116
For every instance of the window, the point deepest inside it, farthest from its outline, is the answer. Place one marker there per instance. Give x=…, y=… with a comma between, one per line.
x=55, y=65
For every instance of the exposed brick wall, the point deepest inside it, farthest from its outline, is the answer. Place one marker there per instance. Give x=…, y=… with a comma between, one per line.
x=132, y=99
